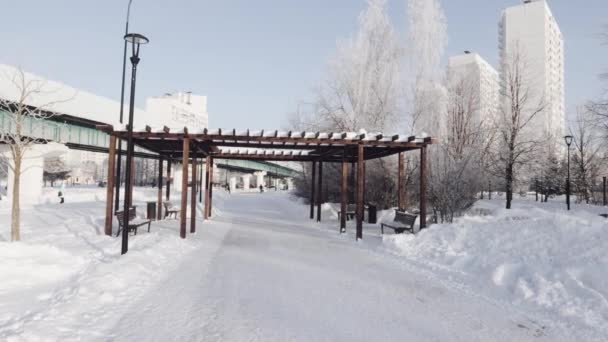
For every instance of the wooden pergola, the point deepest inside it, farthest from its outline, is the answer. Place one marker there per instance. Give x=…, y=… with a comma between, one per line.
x=192, y=146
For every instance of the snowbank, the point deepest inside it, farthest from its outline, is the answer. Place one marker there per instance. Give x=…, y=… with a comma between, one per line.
x=66, y=280
x=537, y=256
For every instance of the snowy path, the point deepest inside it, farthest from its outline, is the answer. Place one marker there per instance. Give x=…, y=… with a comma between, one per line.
x=260, y=278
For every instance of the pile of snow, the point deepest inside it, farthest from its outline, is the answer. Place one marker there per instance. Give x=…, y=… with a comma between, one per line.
x=66, y=280
x=537, y=256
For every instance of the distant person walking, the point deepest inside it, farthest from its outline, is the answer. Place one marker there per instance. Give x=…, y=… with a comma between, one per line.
x=61, y=193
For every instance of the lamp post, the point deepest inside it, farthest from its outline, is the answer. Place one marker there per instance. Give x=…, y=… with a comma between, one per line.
x=136, y=41
x=568, y=139
x=122, y=104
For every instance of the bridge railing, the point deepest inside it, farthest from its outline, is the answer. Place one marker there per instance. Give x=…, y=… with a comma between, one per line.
x=55, y=131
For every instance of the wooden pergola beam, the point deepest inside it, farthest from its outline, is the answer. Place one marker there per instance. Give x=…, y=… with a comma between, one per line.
x=221, y=139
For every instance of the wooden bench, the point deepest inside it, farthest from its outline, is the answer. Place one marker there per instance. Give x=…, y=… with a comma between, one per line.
x=351, y=211
x=134, y=222
x=170, y=210
x=402, y=222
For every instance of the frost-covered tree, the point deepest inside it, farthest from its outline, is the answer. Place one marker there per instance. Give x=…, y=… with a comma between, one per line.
x=426, y=42
x=586, y=159
x=362, y=86
x=360, y=91
x=461, y=155
x=17, y=108
x=599, y=108
x=517, y=141
x=54, y=169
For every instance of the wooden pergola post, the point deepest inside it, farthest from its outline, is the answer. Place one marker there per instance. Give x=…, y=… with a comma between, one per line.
x=207, y=166
x=200, y=182
x=168, y=180
x=604, y=191
x=184, y=204
x=211, y=187
x=110, y=186
x=423, y=187
x=312, y=190
x=320, y=191
x=360, y=180
x=193, y=198
x=343, y=196
x=159, y=205
x=401, y=183
x=132, y=179
x=364, y=187
x=352, y=196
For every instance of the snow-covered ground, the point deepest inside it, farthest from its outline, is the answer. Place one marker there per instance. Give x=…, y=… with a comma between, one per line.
x=261, y=271
x=537, y=257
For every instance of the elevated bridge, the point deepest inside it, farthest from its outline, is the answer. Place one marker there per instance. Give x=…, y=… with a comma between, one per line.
x=80, y=134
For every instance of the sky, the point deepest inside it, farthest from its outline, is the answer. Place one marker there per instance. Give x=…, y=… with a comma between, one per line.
x=255, y=60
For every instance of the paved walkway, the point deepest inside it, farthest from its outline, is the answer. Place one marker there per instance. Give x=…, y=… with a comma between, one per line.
x=264, y=274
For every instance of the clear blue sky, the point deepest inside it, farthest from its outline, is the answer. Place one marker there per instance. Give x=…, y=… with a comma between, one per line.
x=255, y=60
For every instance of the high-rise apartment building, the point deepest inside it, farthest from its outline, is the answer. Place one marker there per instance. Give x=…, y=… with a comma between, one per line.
x=530, y=33
x=478, y=82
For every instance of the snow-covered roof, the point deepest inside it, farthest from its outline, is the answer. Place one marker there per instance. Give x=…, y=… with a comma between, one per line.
x=60, y=98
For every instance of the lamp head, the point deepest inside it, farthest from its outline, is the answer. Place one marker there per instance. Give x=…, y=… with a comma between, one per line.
x=568, y=139
x=136, y=40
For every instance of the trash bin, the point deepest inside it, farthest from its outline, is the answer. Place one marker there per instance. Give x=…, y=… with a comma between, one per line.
x=371, y=213
x=151, y=206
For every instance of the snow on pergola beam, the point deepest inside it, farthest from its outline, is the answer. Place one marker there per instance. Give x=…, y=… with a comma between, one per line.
x=271, y=145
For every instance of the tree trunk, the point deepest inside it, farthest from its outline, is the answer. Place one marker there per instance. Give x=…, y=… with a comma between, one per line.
x=16, y=211
x=509, y=184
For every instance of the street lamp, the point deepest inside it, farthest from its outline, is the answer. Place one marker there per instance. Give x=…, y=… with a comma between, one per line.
x=136, y=41
x=568, y=139
x=122, y=104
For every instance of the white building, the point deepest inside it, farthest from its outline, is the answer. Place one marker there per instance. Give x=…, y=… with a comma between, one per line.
x=530, y=31
x=178, y=110
x=174, y=111
x=473, y=75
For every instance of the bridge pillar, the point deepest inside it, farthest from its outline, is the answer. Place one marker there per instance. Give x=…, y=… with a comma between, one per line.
x=32, y=170
x=289, y=183
x=245, y=182
x=260, y=179
x=232, y=184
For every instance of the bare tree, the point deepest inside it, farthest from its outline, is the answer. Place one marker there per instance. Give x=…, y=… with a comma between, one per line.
x=587, y=156
x=600, y=107
x=361, y=90
x=461, y=155
x=426, y=43
x=518, y=139
x=54, y=170
x=15, y=134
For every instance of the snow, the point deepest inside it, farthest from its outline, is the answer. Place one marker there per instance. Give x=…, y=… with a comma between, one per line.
x=66, y=281
x=536, y=256
x=262, y=271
